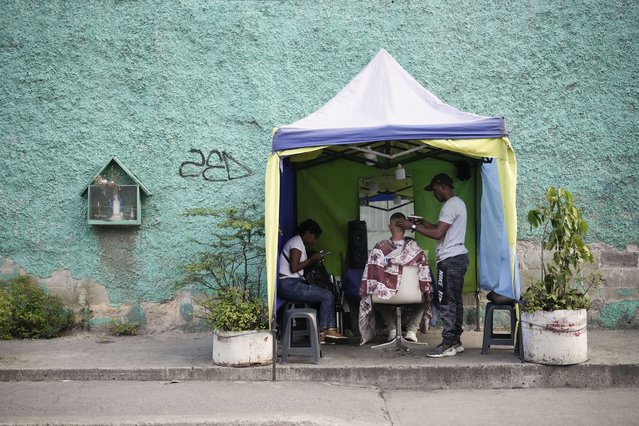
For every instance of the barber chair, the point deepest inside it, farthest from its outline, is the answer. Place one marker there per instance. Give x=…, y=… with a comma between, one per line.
x=409, y=293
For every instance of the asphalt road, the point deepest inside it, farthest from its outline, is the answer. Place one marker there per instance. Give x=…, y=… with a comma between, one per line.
x=306, y=403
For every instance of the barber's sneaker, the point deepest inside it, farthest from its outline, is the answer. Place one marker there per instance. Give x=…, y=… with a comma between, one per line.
x=392, y=334
x=322, y=338
x=458, y=347
x=442, y=350
x=334, y=336
x=411, y=336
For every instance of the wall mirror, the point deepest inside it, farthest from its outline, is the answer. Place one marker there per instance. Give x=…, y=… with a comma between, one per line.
x=379, y=198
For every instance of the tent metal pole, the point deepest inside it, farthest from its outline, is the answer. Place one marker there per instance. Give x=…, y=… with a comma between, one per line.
x=274, y=370
x=477, y=211
x=477, y=309
x=274, y=330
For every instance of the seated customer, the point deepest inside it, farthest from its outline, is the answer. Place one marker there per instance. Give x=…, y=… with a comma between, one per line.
x=292, y=285
x=382, y=277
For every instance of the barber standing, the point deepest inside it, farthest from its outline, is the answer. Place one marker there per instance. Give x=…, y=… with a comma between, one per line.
x=452, y=260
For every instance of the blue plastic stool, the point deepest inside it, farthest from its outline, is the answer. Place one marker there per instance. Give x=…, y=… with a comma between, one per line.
x=492, y=338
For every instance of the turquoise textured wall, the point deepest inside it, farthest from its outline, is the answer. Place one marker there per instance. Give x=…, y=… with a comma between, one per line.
x=156, y=82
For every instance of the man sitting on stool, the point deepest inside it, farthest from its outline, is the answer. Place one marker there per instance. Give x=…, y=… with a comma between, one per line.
x=383, y=268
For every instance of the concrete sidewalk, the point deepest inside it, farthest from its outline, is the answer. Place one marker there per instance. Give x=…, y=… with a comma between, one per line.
x=614, y=362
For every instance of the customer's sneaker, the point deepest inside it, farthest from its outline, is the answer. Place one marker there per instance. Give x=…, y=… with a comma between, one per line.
x=322, y=338
x=442, y=350
x=392, y=334
x=334, y=336
x=411, y=336
x=458, y=347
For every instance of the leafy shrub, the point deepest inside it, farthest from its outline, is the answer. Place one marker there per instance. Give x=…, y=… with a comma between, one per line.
x=84, y=315
x=575, y=297
x=32, y=312
x=230, y=269
x=5, y=315
x=124, y=328
x=232, y=310
x=563, y=233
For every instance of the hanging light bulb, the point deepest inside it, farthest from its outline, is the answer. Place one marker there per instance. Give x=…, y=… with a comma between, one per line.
x=370, y=155
x=400, y=172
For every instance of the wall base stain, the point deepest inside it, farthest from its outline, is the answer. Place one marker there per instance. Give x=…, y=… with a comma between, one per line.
x=615, y=305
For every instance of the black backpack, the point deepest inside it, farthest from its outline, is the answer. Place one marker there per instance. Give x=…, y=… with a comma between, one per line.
x=317, y=275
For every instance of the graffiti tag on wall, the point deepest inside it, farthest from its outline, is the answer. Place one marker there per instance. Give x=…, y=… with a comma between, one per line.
x=217, y=166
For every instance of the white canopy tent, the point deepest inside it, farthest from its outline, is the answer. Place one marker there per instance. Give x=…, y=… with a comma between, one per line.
x=384, y=110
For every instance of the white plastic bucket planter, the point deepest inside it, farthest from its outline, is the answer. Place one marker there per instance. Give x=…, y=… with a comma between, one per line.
x=555, y=337
x=243, y=348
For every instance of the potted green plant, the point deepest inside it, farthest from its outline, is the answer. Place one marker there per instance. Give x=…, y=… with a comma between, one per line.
x=229, y=271
x=554, y=317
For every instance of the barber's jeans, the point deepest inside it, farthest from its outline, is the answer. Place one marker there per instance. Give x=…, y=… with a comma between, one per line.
x=297, y=290
x=411, y=316
x=450, y=284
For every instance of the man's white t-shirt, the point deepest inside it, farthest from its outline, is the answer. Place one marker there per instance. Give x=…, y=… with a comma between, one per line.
x=453, y=212
x=285, y=266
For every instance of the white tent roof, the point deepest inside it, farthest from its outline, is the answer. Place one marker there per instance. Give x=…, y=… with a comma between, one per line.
x=384, y=102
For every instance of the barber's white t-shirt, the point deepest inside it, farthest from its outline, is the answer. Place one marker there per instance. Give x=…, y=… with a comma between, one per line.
x=453, y=212
x=285, y=266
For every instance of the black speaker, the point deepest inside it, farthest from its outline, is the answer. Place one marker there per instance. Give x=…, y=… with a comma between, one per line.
x=357, y=244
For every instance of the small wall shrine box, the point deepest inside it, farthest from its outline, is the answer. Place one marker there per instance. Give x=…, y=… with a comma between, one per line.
x=114, y=196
